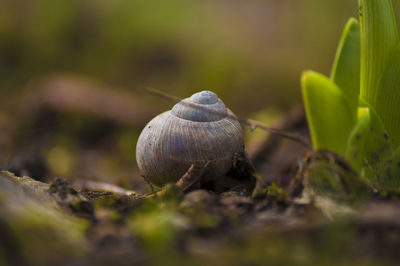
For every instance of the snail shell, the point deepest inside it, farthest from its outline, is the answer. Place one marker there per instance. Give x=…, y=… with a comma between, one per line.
x=197, y=130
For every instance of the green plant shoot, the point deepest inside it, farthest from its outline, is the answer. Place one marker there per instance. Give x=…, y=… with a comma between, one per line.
x=369, y=148
x=356, y=113
x=346, y=67
x=379, y=39
x=325, y=103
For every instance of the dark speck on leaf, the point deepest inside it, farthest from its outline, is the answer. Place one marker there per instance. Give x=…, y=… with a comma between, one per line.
x=358, y=136
x=386, y=136
x=372, y=129
x=375, y=157
x=398, y=164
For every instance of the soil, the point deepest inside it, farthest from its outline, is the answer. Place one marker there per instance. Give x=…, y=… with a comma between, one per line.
x=305, y=208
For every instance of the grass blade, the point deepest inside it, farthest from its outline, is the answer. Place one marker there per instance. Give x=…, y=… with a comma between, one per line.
x=328, y=112
x=346, y=67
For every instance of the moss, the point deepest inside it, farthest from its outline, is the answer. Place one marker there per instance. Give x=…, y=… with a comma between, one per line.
x=201, y=209
x=169, y=192
x=280, y=194
x=158, y=226
x=33, y=220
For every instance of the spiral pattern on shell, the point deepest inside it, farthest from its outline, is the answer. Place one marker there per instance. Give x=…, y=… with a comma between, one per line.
x=197, y=130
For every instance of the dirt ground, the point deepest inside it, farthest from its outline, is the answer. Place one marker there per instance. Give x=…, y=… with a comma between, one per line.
x=299, y=208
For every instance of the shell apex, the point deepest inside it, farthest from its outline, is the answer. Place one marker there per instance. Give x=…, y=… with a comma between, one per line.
x=204, y=106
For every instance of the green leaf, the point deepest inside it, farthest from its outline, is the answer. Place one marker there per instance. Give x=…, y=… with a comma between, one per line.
x=390, y=180
x=387, y=102
x=346, y=67
x=379, y=37
x=369, y=147
x=328, y=112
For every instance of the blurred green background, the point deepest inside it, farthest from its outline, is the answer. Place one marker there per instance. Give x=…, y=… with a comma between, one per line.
x=70, y=70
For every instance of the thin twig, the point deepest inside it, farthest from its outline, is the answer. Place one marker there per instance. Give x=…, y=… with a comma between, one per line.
x=252, y=124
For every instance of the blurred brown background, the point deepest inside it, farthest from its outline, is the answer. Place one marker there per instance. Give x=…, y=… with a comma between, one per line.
x=70, y=71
